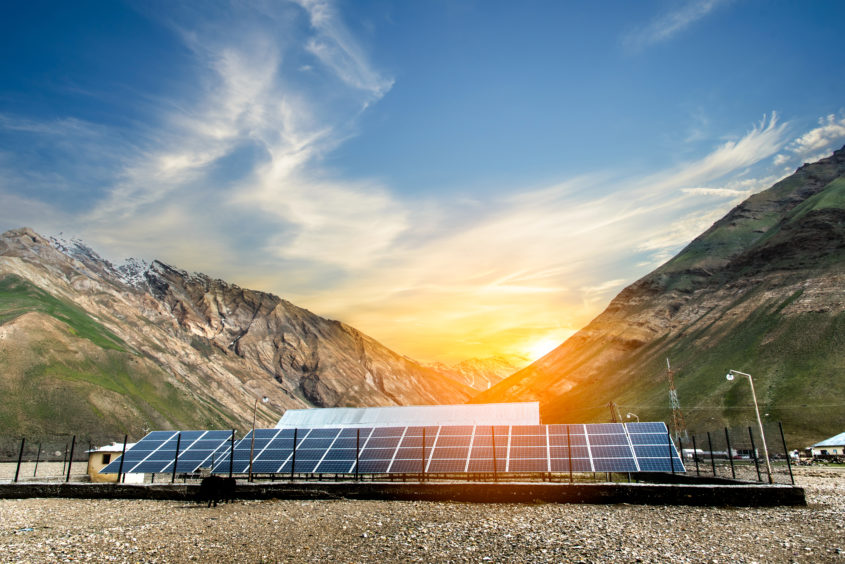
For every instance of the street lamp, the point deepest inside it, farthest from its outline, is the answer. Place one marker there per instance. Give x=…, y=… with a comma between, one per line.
x=730, y=376
x=633, y=415
x=264, y=399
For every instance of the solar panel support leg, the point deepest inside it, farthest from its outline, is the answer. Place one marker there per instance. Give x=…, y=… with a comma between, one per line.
x=70, y=457
x=20, y=458
x=730, y=453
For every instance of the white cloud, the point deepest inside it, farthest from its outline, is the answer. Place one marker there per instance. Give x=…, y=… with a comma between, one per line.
x=335, y=48
x=831, y=130
x=669, y=24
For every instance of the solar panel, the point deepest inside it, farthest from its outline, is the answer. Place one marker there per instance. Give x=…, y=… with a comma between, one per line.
x=593, y=447
x=156, y=452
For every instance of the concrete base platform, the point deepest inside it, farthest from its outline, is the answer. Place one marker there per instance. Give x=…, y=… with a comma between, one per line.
x=746, y=495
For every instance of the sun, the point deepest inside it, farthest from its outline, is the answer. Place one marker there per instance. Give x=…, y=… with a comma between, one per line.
x=541, y=347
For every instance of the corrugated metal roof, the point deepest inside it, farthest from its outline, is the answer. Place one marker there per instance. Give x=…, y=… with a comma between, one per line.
x=522, y=413
x=838, y=440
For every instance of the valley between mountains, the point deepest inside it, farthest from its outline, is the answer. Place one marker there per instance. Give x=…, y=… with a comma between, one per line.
x=98, y=349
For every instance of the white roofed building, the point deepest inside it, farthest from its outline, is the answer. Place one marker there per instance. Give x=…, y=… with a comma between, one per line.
x=522, y=413
x=834, y=446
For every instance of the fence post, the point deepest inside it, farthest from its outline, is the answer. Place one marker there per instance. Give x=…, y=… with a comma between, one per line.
x=754, y=453
x=712, y=460
x=176, y=456
x=20, y=458
x=358, y=449
x=695, y=456
x=495, y=458
x=730, y=454
x=786, y=452
x=122, y=456
x=293, y=455
x=37, y=458
x=231, y=453
x=64, y=461
x=70, y=458
x=681, y=448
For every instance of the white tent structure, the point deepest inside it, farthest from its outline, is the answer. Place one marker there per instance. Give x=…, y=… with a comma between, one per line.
x=523, y=413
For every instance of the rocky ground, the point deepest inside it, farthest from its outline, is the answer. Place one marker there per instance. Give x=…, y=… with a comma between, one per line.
x=50, y=530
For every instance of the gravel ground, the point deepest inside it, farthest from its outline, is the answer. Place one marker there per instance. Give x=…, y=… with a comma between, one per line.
x=50, y=530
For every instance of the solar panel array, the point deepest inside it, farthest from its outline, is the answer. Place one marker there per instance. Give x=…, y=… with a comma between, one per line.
x=156, y=452
x=604, y=447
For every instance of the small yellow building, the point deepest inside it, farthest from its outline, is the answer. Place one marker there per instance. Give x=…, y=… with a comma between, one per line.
x=98, y=458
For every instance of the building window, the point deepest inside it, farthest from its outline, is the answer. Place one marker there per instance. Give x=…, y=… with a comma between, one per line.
x=106, y=458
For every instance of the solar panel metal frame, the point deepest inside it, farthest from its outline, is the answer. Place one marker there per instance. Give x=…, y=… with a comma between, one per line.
x=593, y=447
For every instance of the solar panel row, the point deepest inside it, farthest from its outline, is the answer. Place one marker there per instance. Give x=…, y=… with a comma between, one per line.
x=612, y=447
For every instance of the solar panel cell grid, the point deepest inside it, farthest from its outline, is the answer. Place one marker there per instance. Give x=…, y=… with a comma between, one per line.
x=383, y=442
x=446, y=449
x=456, y=430
x=388, y=432
x=376, y=453
x=447, y=465
x=528, y=440
x=453, y=441
x=608, y=439
x=528, y=465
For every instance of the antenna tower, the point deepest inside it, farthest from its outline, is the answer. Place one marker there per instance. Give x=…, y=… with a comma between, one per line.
x=677, y=416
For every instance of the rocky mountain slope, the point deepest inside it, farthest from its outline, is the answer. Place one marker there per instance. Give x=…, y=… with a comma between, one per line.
x=88, y=347
x=761, y=291
x=480, y=373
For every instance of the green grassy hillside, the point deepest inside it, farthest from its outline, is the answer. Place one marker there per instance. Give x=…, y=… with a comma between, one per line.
x=65, y=373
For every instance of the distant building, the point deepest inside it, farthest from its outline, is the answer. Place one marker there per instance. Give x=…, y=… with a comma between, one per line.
x=522, y=413
x=834, y=446
x=99, y=457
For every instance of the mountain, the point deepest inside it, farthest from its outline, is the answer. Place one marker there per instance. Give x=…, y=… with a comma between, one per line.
x=480, y=373
x=88, y=347
x=761, y=291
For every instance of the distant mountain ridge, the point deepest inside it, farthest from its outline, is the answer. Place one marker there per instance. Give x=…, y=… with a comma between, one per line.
x=480, y=373
x=760, y=291
x=149, y=345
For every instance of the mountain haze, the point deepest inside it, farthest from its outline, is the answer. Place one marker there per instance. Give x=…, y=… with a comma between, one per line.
x=89, y=347
x=761, y=291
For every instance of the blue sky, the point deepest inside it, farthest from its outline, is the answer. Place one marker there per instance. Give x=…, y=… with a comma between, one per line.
x=454, y=178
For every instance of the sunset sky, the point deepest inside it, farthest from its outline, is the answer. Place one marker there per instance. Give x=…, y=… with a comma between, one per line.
x=454, y=178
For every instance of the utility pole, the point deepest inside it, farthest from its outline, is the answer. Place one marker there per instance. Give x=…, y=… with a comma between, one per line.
x=615, y=415
x=677, y=416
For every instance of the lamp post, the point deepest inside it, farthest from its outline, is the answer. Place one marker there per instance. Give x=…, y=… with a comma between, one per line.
x=730, y=376
x=264, y=399
x=633, y=415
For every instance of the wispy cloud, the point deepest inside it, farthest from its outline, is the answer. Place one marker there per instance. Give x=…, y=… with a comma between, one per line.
x=669, y=24
x=815, y=143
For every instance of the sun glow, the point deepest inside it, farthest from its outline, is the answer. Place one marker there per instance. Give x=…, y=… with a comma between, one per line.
x=542, y=347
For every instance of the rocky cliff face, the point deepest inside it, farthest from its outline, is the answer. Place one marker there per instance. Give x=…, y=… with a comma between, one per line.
x=151, y=345
x=760, y=291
